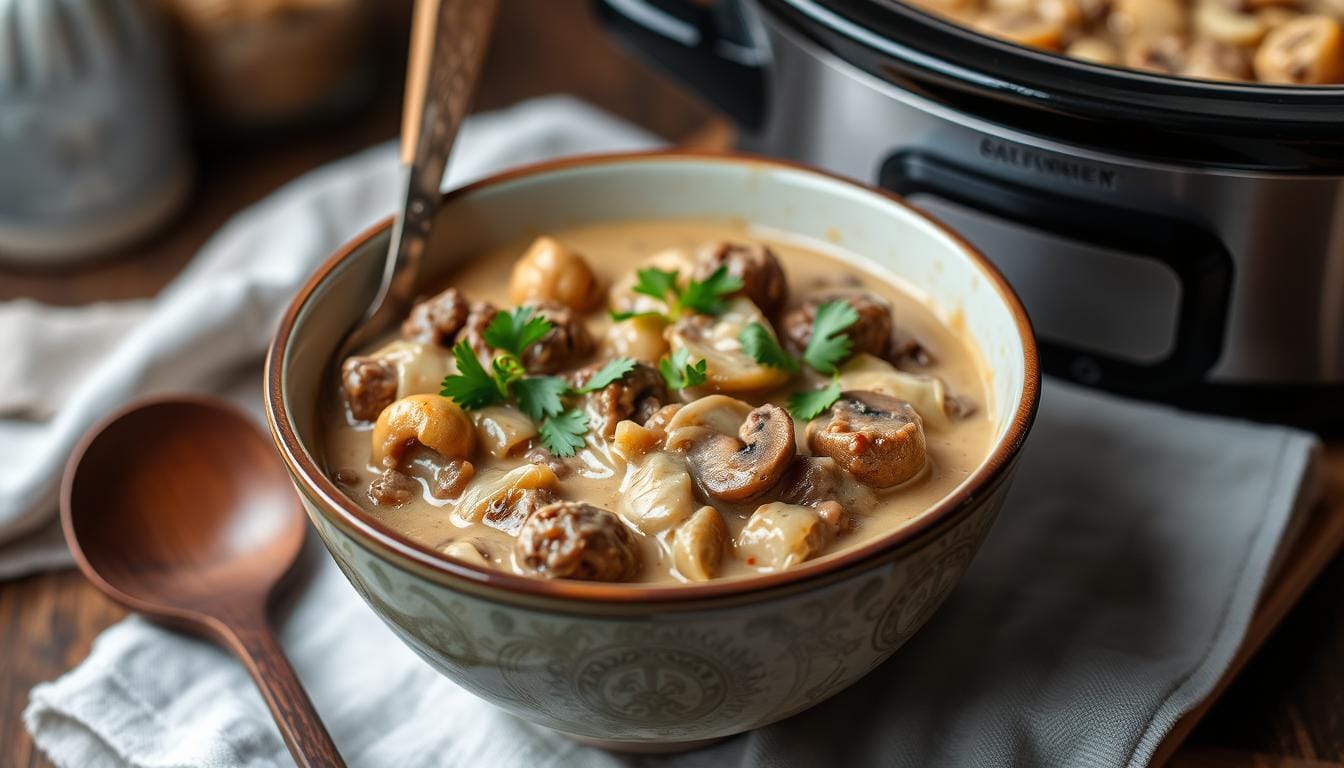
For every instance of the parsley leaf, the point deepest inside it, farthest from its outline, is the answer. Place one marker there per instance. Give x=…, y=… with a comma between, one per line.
x=562, y=434
x=706, y=296
x=472, y=386
x=805, y=406
x=655, y=282
x=678, y=371
x=539, y=396
x=508, y=369
x=623, y=316
x=830, y=344
x=614, y=370
x=758, y=342
x=516, y=330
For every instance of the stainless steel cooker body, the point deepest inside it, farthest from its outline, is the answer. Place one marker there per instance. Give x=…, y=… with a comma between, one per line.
x=1203, y=283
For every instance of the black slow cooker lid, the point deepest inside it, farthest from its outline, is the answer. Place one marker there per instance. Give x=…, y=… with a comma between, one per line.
x=1230, y=125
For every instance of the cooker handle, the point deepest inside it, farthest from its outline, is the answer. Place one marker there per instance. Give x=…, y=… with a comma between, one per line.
x=1198, y=258
x=709, y=47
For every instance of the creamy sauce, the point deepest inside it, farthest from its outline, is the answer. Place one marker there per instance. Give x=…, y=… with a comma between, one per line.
x=956, y=446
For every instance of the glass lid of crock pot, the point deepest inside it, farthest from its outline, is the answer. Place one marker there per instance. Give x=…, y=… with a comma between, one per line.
x=1241, y=125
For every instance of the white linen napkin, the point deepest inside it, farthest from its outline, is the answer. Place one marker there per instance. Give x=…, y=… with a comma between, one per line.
x=63, y=369
x=1107, y=601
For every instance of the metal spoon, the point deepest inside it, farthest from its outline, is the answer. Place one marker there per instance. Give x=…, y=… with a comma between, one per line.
x=448, y=44
x=180, y=509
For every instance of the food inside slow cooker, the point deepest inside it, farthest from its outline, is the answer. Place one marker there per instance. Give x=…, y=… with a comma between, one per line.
x=1272, y=41
x=655, y=401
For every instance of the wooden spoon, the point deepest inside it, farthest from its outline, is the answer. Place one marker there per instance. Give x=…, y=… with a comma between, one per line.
x=448, y=44
x=180, y=509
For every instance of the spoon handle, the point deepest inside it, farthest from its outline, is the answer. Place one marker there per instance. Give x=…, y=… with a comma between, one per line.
x=449, y=39
x=255, y=645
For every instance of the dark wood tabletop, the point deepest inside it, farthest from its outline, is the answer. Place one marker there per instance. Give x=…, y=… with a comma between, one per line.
x=1284, y=710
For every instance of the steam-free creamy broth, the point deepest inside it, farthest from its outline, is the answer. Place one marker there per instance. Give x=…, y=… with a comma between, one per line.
x=729, y=485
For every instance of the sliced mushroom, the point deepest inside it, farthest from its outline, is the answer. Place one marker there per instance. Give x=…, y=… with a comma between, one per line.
x=697, y=546
x=1307, y=50
x=758, y=268
x=495, y=484
x=502, y=429
x=573, y=540
x=548, y=271
x=928, y=394
x=809, y=481
x=779, y=536
x=876, y=438
x=508, y=511
x=715, y=340
x=438, y=319
x=656, y=495
x=720, y=413
x=745, y=467
x=433, y=421
x=637, y=395
x=871, y=334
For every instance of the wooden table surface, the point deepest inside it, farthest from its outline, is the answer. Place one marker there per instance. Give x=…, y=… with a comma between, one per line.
x=1285, y=710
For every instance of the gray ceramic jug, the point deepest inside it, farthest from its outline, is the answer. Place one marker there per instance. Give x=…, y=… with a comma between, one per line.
x=92, y=154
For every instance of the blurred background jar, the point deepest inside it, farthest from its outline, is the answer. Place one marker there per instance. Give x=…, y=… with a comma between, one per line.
x=264, y=64
x=92, y=155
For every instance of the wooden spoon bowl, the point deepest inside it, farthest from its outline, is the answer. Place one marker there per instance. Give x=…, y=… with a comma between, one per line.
x=180, y=509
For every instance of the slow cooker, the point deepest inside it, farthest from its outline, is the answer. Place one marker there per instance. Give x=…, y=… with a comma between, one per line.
x=1173, y=239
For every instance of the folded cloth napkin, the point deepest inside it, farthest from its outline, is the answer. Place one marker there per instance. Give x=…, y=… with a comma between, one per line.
x=63, y=369
x=1107, y=601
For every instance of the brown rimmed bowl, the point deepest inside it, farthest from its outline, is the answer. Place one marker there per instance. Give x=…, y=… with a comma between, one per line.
x=672, y=666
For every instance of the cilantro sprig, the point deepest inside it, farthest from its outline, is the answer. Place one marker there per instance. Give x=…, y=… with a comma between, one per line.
x=809, y=404
x=760, y=343
x=705, y=297
x=679, y=372
x=829, y=346
x=541, y=398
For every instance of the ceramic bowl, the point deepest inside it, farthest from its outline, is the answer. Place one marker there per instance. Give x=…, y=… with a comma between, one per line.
x=671, y=666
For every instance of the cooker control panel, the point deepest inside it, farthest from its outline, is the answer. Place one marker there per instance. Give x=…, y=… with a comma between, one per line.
x=1120, y=299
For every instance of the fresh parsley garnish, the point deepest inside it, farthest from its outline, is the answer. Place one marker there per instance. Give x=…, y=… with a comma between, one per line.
x=472, y=386
x=679, y=372
x=805, y=406
x=613, y=371
x=706, y=297
x=562, y=434
x=623, y=316
x=829, y=344
x=760, y=343
x=540, y=396
x=515, y=331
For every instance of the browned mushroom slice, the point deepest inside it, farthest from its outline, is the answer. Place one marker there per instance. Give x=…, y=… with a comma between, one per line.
x=437, y=320
x=871, y=334
x=573, y=540
x=809, y=481
x=758, y=268
x=495, y=486
x=742, y=468
x=876, y=438
x=565, y=344
x=636, y=396
x=508, y=511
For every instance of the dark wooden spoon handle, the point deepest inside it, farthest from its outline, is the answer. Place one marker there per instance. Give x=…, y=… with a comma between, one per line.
x=255, y=645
